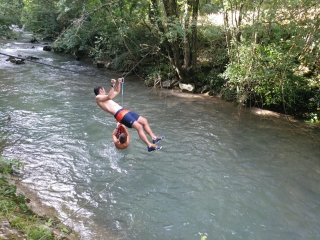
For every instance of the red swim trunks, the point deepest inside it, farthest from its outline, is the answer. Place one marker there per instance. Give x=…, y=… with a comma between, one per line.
x=120, y=131
x=126, y=117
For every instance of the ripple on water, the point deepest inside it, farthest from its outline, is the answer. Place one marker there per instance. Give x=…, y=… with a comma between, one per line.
x=221, y=171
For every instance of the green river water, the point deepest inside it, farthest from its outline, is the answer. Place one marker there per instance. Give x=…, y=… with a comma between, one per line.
x=223, y=171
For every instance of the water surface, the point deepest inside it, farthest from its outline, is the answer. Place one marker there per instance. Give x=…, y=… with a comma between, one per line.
x=223, y=171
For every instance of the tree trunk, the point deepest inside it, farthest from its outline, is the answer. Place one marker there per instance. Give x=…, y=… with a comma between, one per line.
x=181, y=47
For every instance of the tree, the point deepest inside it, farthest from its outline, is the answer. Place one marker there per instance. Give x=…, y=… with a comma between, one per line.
x=10, y=12
x=273, y=53
x=40, y=16
x=175, y=23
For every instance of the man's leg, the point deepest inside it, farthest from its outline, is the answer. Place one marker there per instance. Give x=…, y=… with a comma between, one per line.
x=144, y=122
x=141, y=133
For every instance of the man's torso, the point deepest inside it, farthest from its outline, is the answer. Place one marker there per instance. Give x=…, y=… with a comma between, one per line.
x=109, y=106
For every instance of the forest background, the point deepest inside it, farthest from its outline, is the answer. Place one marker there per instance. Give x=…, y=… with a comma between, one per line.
x=258, y=53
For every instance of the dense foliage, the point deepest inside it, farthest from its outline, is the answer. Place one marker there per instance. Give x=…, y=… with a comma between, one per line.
x=274, y=54
x=260, y=53
x=10, y=14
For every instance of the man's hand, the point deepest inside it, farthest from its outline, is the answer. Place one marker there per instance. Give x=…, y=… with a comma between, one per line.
x=120, y=80
x=113, y=81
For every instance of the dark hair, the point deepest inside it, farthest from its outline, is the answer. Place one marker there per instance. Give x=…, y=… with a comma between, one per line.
x=96, y=90
x=122, y=138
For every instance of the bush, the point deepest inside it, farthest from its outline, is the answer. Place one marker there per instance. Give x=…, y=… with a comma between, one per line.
x=8, y=165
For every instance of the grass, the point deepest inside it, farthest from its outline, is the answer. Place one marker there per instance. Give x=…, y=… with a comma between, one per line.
x=25, y=224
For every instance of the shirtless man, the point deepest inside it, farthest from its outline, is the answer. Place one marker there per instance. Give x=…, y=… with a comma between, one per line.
x=121, y=137
x=128, y=118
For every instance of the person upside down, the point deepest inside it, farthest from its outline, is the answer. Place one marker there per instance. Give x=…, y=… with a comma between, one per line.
x=121, y=137
x=124, y=116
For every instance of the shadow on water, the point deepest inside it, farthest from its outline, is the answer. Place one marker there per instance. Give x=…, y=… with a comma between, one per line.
x=223, y=171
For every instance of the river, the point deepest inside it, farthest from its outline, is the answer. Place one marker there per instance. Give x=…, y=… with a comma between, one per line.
x=223, y=171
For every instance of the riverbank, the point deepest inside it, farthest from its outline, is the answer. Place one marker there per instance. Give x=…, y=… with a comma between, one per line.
x=23, y=216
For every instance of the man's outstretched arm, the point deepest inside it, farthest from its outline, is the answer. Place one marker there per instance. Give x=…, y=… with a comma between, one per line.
x=115, y=88
x=118, y=86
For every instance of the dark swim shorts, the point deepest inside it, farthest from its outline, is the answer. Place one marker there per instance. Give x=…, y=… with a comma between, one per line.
x=126, y=117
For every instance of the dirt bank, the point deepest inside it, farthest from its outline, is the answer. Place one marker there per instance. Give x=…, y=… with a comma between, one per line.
x=35, y=205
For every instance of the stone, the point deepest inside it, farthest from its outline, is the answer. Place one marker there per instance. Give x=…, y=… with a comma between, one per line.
x=187, y=87
x=6, y=232
x=100, y=64
x=47, y=48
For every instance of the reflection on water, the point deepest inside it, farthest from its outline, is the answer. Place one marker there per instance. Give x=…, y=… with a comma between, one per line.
x=223, y=171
